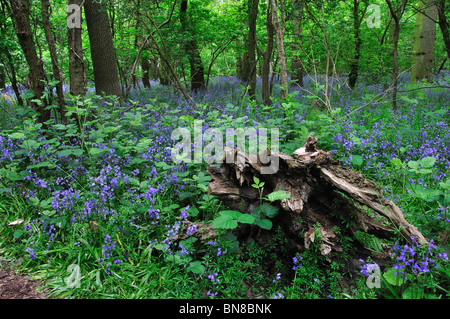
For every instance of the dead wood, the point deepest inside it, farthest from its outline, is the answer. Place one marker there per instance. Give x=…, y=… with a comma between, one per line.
x=322, y=192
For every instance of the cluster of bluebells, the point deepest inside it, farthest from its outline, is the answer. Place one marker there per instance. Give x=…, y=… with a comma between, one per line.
x=213, y=278
x=172, y=231
x=296, y=260
x=107, y=254
x=368, y=268
x=413, y=259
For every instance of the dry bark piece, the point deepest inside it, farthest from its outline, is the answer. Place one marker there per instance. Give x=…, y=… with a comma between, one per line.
x=316, y=184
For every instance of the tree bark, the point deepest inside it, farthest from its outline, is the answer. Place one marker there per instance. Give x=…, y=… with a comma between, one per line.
x=279, y=38
x=76, y=63
x=104, y=60
x=296, y=63
x=443, y=25
x=267, y=55
x=13, y=78
x=251, y=46
x=424, y=40
x=396, y=15
x=316, y=185
x=145, y=66
x=193, y=53
x=21, y=17
x=2, y=77
x=55, y=64
x=354, y=65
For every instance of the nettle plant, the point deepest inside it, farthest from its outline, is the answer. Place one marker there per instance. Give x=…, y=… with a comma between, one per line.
x=229, y=219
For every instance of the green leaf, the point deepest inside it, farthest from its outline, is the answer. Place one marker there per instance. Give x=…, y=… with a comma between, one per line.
x=264, y=223
x=357, y=160
x=230, y=213
x=413, y=292
x=269, y=210
x=392, y=278
x=196, y=267
x=65, y=153
x=246, y=219
x=413, y=164
x=94, y=151
x=17, y=135
x=428, y=162
x=278, y=195
x=224, y=222
x=397, y=163
x=19, y=233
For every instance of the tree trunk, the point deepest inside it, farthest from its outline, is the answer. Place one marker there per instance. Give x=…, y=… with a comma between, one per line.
x=2, y=77
x=354, y=65
x=296, y=63
x=104, y=60
x=145, y=65
x=279, y=35
x=396, y=15
x=424, y=39
x=21, y=14
x=267, y=55
x=322, y=196
x=13, y=78
x=193, y=53
x=55, y=64
x=76, y=63
x=251, y=46
x=443, y=25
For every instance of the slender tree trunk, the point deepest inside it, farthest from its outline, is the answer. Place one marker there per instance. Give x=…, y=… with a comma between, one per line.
x=267, y=55
x=396, y=16
x=354, y=65
x=251, y=45
x=52, y=49
x=443, y=25
x=76, y=63
x=104, y=60
x=21, y=17
x=296, y=63
x=193, y=53
x=424, y=40
x=145, y=65
x=13, y=78
x=2, y=77
x=279, y=35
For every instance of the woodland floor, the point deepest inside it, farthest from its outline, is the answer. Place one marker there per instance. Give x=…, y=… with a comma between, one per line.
x=14, y=286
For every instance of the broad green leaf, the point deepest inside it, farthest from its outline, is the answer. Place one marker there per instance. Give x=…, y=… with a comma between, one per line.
x=428, y=162
x=246, y=219
x=392, y=278
x=224, y=222
x=230, y=213
x=17, y=135
x=278, y=195
x=269, y=210
x=94, y=151
x=65, y=153
x=196, y=267
x=413, y=164
x=357, y=160
x=264, y=223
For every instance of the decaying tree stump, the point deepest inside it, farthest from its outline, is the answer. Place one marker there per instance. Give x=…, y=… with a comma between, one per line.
x=321, y=191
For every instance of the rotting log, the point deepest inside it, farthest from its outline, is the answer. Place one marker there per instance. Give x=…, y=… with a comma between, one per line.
x=322, y=192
